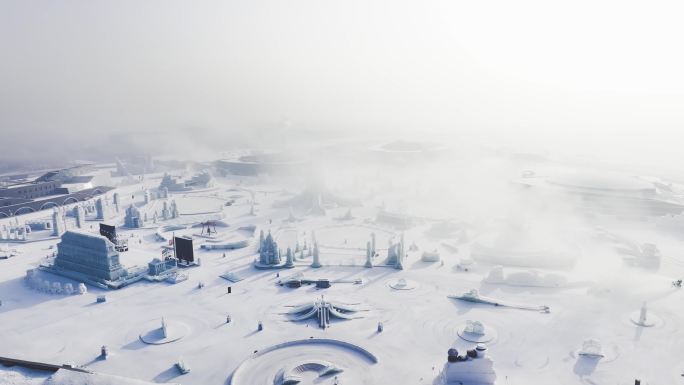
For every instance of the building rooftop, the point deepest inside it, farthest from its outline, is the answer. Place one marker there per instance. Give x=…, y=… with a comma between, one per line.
x=80, y=235
x=602, y=181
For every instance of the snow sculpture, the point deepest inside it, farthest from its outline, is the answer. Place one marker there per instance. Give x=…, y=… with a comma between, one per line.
x=642, y=315
x=163, y=328
x=174, y=209
x=474, y=327
x=402, y=284
x=395, y=254
x=289, y=262
x=68, y=289
x=182, y=366
x=161, y=331
x=43, y=286
x=650, y=256
x=474, y=367
x=268, y=251
x=369, y=261
x=414, y=247
x=82, y=289
x=32, y=278
x=402, y=254
x=316, y=256
x=323, y=310
x=431, y=256
x=642, y=319
x=57, y=222
x=116, y=202
x=166, y=214
x=591, y=348
x=472, y=295
x=79, y=215
x=132, y=219
x=100, y=209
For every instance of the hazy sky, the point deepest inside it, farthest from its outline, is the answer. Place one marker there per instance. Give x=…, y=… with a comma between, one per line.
x=610, y=73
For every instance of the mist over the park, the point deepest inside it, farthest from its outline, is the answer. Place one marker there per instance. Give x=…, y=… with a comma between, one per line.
x=358, y=192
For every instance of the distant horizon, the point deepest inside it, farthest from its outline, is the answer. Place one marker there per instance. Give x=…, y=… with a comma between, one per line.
x=125, y=77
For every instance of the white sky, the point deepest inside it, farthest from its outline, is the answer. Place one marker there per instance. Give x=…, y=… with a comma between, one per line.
x=585, y=73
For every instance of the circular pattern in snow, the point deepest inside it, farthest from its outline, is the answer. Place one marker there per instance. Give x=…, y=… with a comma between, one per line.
x=531, y=359
x=154, y=335
x=304, y=358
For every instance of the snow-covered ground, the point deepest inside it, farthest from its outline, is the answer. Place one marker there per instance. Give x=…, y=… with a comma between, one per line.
x=596, y=299
x=22, y=376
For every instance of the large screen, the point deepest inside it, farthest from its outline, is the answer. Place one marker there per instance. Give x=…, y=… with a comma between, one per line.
x=184, y=249
x=108, y=231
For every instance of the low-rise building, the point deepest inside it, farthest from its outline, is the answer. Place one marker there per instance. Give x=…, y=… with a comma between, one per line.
x=159, y=267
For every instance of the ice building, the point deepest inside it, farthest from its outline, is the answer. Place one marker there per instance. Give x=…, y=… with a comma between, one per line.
x=170, y=183
x=268, y=251
x=200, y=180
x=89, y=254
x=159, y=267
x=133, y=219
x=396, y=253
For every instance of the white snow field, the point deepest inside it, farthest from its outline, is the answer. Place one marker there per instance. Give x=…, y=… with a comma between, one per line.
x=593, y=294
